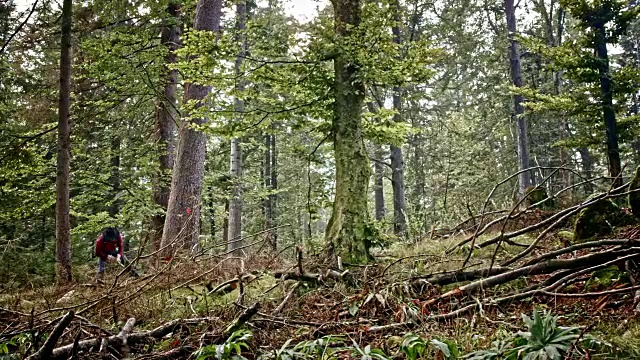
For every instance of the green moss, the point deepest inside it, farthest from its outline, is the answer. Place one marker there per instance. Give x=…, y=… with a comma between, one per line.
x=605, y=278
x=566, y=235
x=595, y=220
x=634, y=197
x=535, y=194
x=599, y=219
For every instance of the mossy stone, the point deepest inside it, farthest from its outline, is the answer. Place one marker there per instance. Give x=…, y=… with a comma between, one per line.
x=634, y=197
x=597, y=219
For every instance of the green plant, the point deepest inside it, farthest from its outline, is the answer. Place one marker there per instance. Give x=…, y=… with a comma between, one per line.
x=449, y=349
x=413, y=346
x=322, y=348
x=368, y=353
x=546, y=340
x=501, y=350
x=230, y=350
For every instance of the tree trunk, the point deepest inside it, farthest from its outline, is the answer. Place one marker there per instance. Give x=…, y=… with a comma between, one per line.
x=165, y=123
x=235, y=203
x=397, y=159
x=378, y=173
x=608, y=111
x=348, y=227
x=183, y=212
x=587, y=167
x=524, y=178
x=63, y=221
x=267, y=202
x=114, y=179
x=273, y=197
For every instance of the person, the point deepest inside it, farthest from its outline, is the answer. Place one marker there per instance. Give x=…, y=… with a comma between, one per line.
x=110, y=248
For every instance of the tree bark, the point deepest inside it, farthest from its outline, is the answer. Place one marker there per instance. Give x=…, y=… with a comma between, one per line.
x=587, y=167
x=63, y=220
x=524, y=179
x=378, y=173
x=273, y=197
x=235, y=203
x=609, y=115
x=165, y=122
x=183, y=212
x=268, y=201
x=397, y=158
x=348, y=227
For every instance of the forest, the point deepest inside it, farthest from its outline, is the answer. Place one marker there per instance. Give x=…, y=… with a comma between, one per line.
x=320, y=179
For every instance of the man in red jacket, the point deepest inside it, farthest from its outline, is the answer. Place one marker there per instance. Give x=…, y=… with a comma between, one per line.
x=109, y=248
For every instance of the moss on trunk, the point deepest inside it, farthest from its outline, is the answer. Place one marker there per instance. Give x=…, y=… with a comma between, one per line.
x=348, y=229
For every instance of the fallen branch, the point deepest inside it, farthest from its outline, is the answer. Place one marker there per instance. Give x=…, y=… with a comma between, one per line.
x=286, y=299
x=49, y=345
x=546, y=267
x=116, y=341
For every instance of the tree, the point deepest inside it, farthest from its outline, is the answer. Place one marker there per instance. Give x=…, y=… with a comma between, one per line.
x=183, y=211
x=522, y=135
x=348, y=226
x=235, y=203
x=605, y=21
x=397, y=159
x=63, y=220
x=166, y=118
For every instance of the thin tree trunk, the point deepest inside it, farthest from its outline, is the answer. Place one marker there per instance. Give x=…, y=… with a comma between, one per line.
x=587, y=167
x=267, y=202
x=273, y=197
x=165, y=123
x=114, y=179
x=518, y=113
x=183, y=212
x=348, y=227
x=266, y=176
x=378, y=173
x=63, y=222
x=397, y=158
x=235, y=203
x=609, y=114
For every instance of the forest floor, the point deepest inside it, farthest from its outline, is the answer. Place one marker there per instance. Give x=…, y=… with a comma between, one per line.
x=276, y=306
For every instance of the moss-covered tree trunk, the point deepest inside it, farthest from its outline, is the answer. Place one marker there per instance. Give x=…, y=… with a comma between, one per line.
x=347, y=229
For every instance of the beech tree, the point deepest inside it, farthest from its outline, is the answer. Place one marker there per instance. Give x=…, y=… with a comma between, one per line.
x=348, y=226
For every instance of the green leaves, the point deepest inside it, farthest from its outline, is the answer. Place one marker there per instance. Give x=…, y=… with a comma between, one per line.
x=543, y=340
x=230, y=350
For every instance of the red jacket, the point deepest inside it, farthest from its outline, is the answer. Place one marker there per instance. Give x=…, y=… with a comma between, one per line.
x=106, y=248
